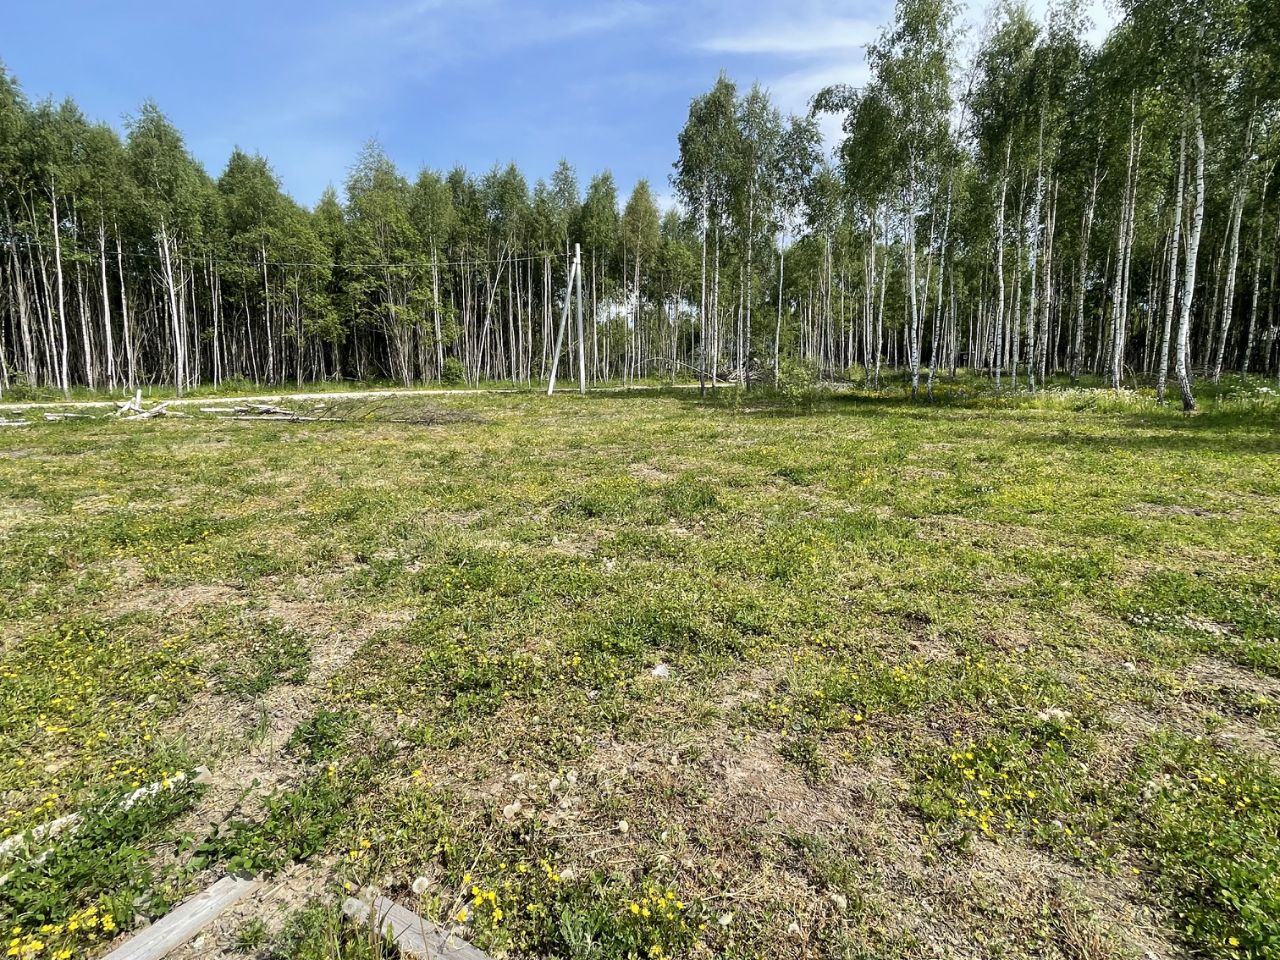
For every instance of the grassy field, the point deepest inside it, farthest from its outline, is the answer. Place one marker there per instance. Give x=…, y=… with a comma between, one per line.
x=643, y=675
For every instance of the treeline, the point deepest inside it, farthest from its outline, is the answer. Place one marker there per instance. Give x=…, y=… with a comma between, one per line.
x=125, y=263
x=1042, y=208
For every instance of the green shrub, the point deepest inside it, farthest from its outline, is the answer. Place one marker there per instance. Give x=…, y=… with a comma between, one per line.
x=452, y=373
x=798, y=384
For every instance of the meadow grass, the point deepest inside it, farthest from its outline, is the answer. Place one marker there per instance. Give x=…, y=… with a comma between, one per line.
x=650, y=674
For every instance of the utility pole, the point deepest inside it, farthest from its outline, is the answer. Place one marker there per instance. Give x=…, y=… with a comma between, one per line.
x=564, y=322
x=582, y=340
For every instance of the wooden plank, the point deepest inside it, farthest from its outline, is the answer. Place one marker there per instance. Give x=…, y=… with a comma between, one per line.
x=412, y=935
x=180, y=925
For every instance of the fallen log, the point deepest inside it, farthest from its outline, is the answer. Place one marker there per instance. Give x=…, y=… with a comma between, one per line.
x=159, y=410
x=133, y=405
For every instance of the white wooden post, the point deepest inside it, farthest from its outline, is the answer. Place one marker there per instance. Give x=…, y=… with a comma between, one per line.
x=564, y=322
x=582, y=340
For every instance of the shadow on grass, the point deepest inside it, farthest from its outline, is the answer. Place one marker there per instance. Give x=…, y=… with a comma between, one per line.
x=1216, y=427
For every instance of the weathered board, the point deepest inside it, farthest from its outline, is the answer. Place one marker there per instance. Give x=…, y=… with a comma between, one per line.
x=184, y=922
x=412, y=935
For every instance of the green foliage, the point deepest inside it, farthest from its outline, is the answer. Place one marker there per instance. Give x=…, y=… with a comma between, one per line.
x=320, y=931
x=96, y=876
x=1237, y=617
x=929, y=214
x=534, y=911
x=93, y=696
x=297, y=823
x=798, y=384
x=453, y=372
x=1209, y=822
x=1033, y=780
x=323, y=735
x=252, y=935
x=258, y=656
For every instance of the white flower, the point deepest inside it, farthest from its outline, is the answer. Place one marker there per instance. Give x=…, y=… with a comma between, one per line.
x=357, y=910
x=1054, y=713
x=420, y=885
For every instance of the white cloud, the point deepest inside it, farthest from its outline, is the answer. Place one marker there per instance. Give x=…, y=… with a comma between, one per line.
x=792, y=91
x=667, y=200
x=975, y=17
x=824, y=35
x=823, y=42
x=796, y=54
x=610, y=17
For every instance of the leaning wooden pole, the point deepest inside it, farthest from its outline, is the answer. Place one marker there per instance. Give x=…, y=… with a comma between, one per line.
x=564, y=322
x=582, y=340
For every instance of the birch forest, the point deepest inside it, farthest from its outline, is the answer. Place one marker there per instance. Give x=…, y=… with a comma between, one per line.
x=1010, y=201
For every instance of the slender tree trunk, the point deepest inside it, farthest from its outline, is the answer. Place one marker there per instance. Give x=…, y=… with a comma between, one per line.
x=777, y=330
x=702, y=313
x=942, y=265
x=65, y=345
x=913, y=327
x=1000, y=291
x=1175, y=235
x=715, y=315
x=1229, y=295
x=1182, y=348
x=1047, y=300
x=884, y=285
x=582, y=339
x=108, y=338
x=127, y=328
x=175, y=321
x=435, y=313
x=1257, y=278
x=1124, y=249
x=747, y=287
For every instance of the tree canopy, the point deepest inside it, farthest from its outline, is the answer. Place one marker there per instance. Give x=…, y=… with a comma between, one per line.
x=1044, y=207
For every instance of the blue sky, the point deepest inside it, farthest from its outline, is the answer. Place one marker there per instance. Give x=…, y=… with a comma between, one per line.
x=437, y=82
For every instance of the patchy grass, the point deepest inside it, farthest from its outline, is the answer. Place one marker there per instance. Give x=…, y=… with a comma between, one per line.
x=82, y=704
x=646, y=675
